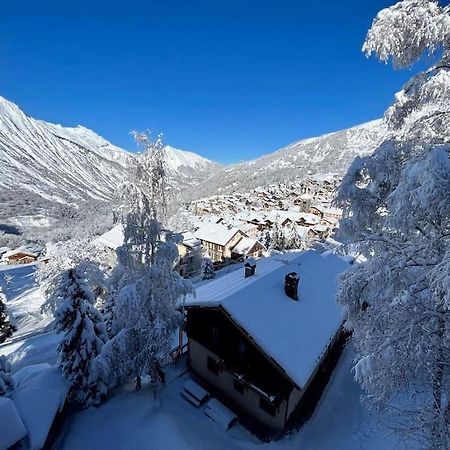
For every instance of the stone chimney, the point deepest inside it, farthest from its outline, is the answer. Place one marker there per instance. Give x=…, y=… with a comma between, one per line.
x=249, y=267
x=291, y=281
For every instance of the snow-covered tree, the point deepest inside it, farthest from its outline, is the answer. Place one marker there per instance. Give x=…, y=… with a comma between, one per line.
x=146, y=317
x=207, y=268
x=267, y=240
x=397, y=210
x=6, y=381
x=277, y=241
x=90, y=259
x=292, y=239
x=6, y=328
x=144, y=291
x=83, y=338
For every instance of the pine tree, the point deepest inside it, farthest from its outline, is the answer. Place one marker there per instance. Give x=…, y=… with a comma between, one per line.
x=207, y=268
x=83, y=339
x=292, y=239
x=6, y=328
x=277, y=238
x=397, y=212
x=6, y=381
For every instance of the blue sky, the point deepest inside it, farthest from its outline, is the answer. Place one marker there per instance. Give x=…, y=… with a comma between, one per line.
x=231, y=80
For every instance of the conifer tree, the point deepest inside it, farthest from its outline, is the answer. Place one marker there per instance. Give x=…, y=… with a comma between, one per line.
x=83, y=338
x=207, y=268
x=6, y=328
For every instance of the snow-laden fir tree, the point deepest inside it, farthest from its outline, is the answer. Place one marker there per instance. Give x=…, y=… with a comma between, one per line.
x=292, y=239
x=146, y=317
x=145, y=290
x=277, y=241
x=6, y=381
x=207, y=268
x=6, y=328
x=397, y=210
x=83, y=338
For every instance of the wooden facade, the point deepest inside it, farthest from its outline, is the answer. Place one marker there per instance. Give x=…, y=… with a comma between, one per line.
x=224, y=355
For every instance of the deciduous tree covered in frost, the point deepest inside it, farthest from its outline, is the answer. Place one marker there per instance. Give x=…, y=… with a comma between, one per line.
x=83, y=253
x=83, y=338
x=397, y=209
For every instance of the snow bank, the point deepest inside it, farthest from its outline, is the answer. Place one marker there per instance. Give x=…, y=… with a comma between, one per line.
x=12, y=429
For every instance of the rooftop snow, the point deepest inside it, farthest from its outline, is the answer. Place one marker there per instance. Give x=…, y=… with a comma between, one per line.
x=244, y=245
x=294, y=334
x=215, y=233
x=113, y=238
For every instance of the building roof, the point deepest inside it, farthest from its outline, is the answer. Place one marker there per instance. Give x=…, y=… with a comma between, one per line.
x=216, y=233
x=113, y=238
x=294, y=333
x=245, y=245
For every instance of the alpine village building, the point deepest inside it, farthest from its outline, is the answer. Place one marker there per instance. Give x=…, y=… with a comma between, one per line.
x=263, y=338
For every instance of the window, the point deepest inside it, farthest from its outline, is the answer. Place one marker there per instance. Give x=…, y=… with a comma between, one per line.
x=213, y=365
x=239, y=386
x=267, y=406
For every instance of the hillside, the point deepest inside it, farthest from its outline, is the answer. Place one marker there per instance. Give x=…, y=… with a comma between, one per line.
x=330, y=153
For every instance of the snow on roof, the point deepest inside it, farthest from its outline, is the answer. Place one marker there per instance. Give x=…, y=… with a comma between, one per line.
x=12, y=427
x=302, y=231
x=294, y=333
x=216, y=233
x=22, y=250
x=113, y=238
x=189, y=239
x=244, y=245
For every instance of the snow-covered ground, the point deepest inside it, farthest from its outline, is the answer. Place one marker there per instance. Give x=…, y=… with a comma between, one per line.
x=23, y=299
x=135, y=420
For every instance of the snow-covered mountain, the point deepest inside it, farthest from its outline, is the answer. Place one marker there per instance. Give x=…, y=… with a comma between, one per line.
x=330, y=153
x=68, y=165
x=45, y=167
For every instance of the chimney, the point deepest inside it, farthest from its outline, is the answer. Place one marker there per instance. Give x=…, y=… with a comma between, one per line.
x=291, y=281
x=249, y=267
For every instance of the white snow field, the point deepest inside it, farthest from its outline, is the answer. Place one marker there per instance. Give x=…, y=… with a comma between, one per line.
x=23, y=299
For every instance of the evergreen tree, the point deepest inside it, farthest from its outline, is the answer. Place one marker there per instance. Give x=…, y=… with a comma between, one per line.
x=277, y=238
x=6, y=328
x=146, y=316
x=207, y=268
x=292, y=239
x=6, y=381
x=83, y=338
x=397, y=212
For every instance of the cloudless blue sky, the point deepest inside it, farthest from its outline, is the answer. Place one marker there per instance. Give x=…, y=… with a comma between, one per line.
x=229, y=79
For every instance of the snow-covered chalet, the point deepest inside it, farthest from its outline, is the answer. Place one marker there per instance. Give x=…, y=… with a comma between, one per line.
x=264, y=341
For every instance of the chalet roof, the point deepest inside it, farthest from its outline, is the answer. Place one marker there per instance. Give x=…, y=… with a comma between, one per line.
x=216, y=233
x=112, y=238
x=294, y=334
x=245, y=245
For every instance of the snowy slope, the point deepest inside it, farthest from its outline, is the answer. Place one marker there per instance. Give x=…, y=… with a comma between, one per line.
x=40, y=158
x=68, y=165
x=330, y=153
